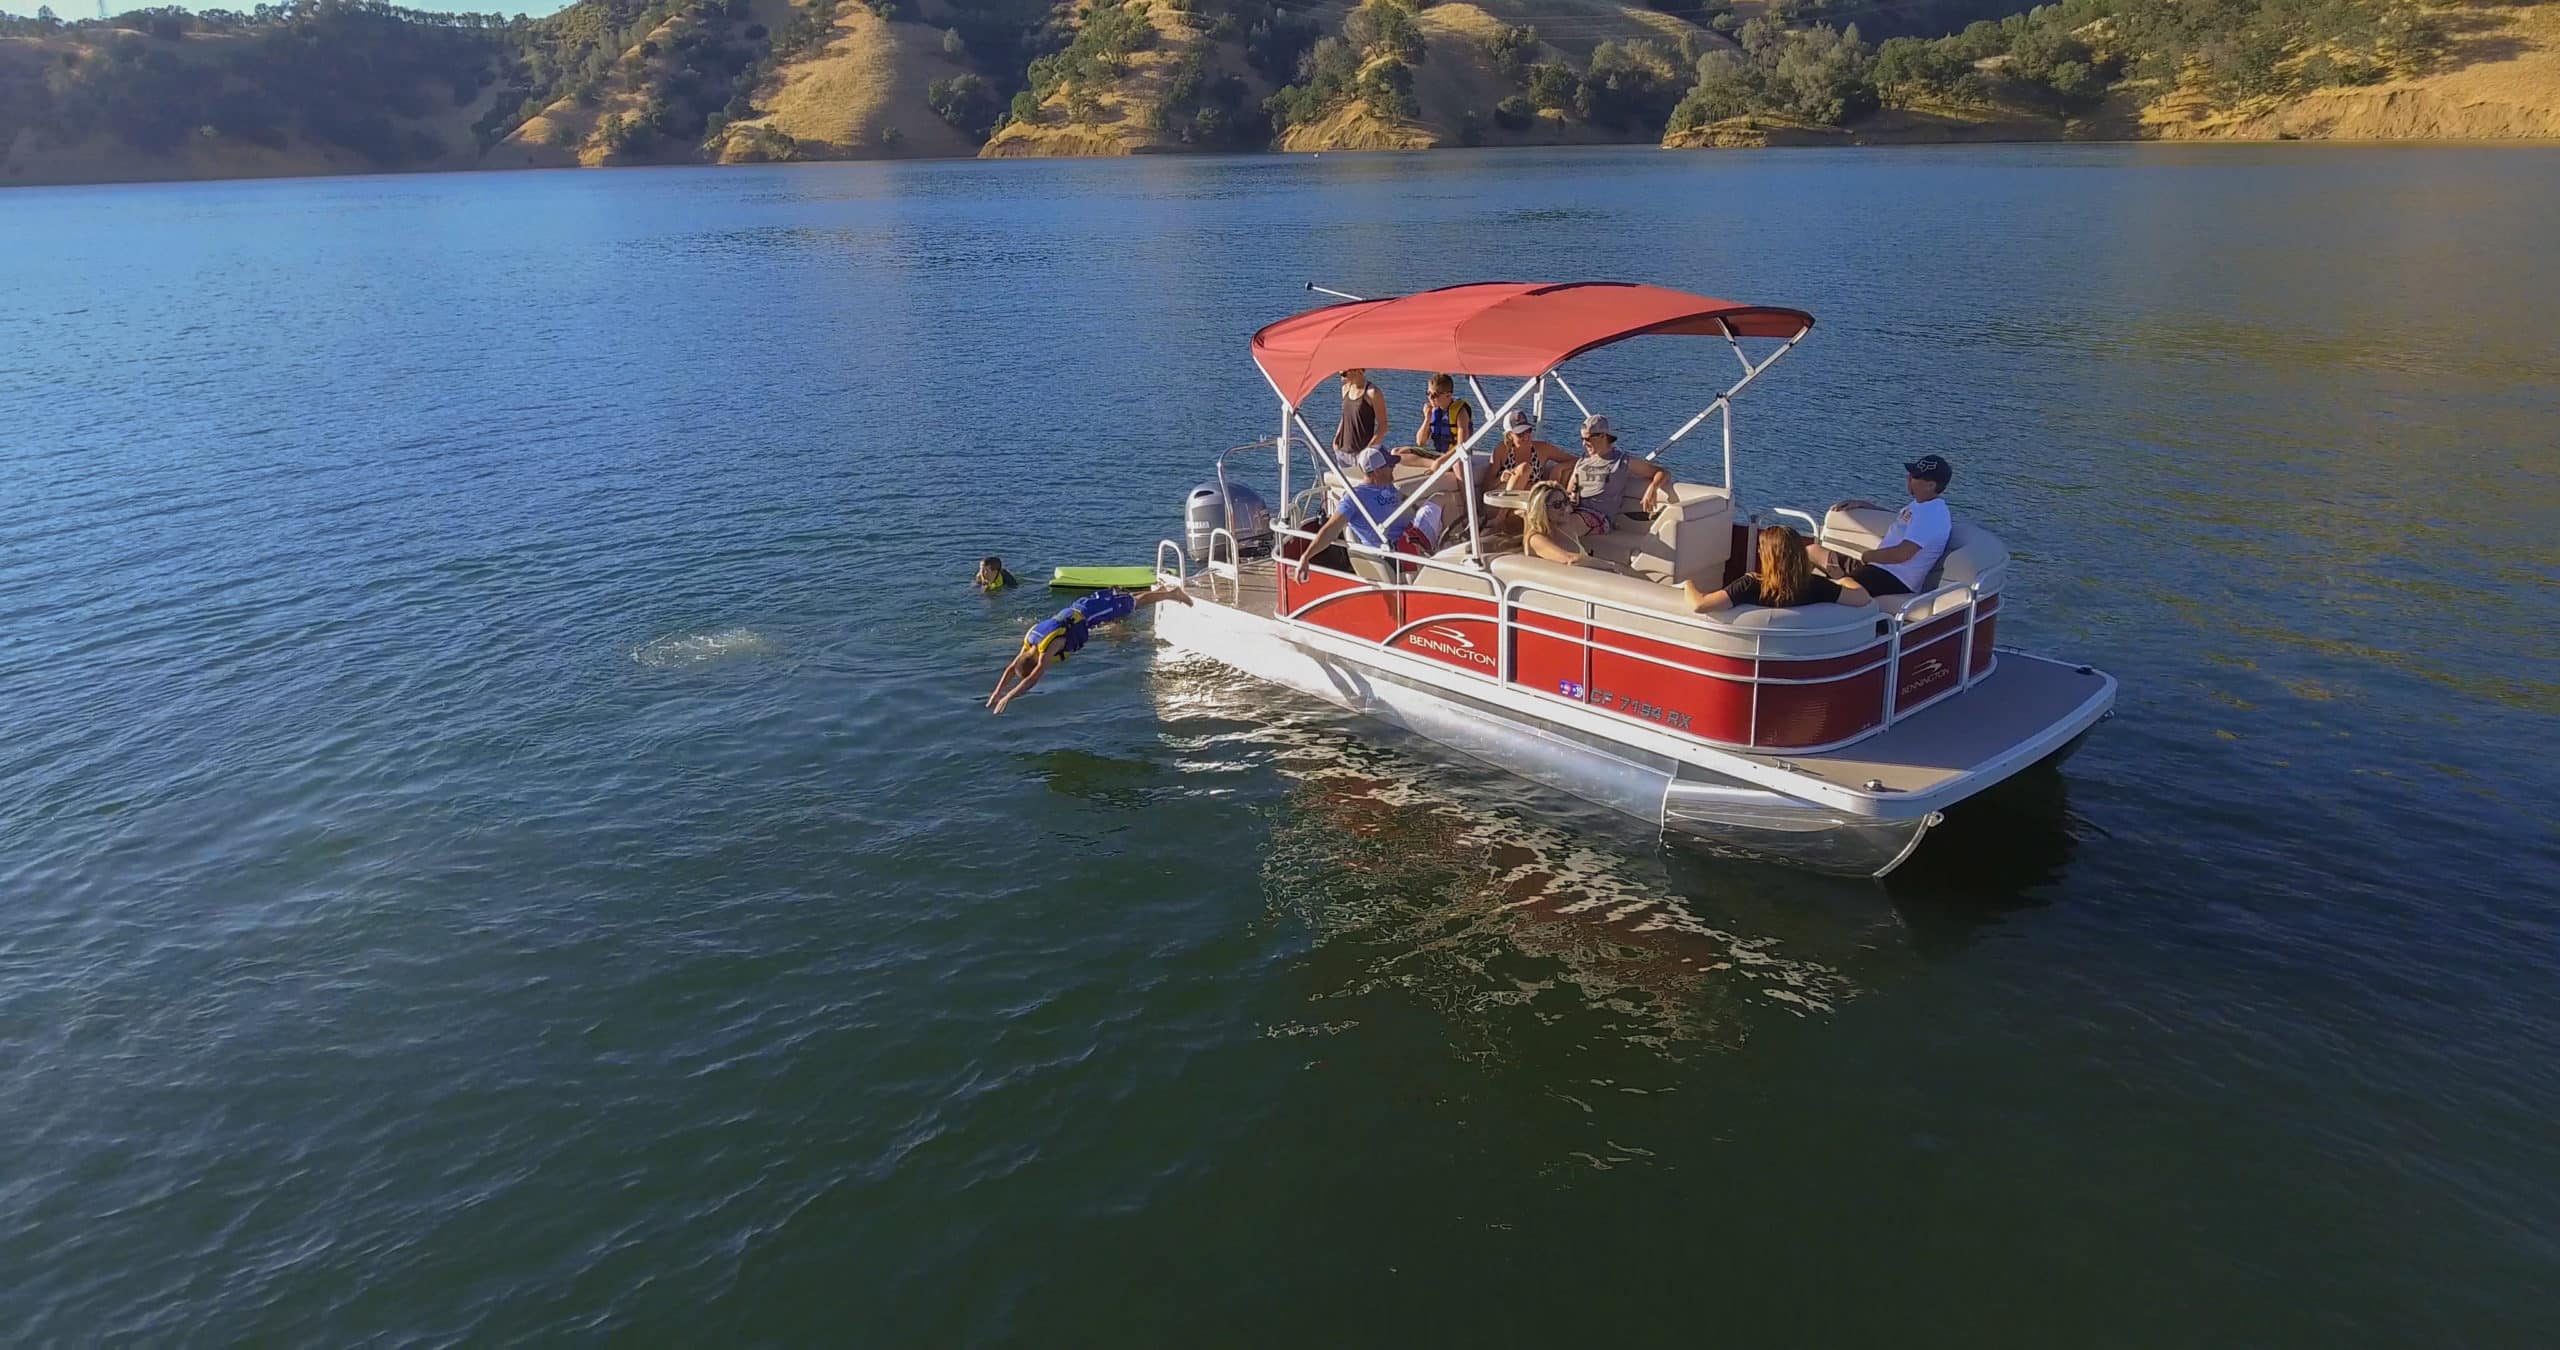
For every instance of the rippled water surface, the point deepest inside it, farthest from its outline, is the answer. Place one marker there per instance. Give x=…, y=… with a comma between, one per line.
x=499, y=841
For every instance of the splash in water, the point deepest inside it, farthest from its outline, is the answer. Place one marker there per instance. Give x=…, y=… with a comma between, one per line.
x=694, y=649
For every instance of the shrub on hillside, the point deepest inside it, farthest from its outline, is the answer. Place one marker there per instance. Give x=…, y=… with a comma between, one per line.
x=1511, y=50
x=967, y=102
x=1552, y=85
x=1387, y=87
x=1630, y=86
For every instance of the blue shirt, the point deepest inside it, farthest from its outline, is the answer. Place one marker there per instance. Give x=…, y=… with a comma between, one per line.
x=1381, y=501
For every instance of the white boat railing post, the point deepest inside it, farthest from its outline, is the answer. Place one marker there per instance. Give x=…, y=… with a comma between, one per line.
x=1892, y=665
x=1475, y=533
x=1235, y=557
x=1283, y=452
x=1964, y=658
x=1728, y=451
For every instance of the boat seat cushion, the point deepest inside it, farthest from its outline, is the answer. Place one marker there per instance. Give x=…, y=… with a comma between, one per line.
x=1686, y=539
x=1662, y=612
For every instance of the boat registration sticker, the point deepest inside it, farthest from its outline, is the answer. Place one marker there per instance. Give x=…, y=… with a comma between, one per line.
x=1636, y=707
x=1569, y=689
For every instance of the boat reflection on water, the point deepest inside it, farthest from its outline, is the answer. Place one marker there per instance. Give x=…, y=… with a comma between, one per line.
x=1476, y=892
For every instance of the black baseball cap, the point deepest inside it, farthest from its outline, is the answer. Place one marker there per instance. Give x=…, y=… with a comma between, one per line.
x=1932, y=468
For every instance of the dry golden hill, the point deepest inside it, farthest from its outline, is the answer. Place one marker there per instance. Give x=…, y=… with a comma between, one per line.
x=1356, y=126
x=860, y=97
x=569, y=133
x=2500, y=80
x=1456, y=86
x=1125, y=116
x=1567, y=28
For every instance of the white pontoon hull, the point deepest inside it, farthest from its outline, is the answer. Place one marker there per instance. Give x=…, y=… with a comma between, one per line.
x=1701, y=792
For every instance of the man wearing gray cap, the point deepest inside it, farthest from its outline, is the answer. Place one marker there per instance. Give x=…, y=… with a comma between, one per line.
x=1603, y=480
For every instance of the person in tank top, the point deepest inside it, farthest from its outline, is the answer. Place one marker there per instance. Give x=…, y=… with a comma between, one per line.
x=1364, y=414
x=1522, y=459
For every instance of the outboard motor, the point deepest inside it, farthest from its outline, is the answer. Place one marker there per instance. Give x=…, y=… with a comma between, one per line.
x=1242, y=513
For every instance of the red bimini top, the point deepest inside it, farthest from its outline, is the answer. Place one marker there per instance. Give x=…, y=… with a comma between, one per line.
x=1495, y=328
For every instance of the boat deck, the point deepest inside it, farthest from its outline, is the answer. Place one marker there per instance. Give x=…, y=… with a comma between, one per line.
x=2023, y=697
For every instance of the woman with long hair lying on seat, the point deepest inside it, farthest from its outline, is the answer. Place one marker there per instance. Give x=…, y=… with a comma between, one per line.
x=1784, y=577
x=1544, y=534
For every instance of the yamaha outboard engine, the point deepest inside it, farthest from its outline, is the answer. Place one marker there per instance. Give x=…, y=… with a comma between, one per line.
x=1242, y=513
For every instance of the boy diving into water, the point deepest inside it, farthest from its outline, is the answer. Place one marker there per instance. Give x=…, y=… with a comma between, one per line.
x=1053, y=639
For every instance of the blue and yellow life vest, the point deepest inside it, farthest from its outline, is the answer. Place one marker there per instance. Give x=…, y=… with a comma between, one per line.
x=1067, y=629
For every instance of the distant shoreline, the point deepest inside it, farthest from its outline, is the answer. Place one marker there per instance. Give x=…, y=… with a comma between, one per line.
x=1845, y=143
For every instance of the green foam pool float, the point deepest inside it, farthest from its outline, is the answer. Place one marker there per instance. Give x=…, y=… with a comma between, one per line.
x=1095, y=578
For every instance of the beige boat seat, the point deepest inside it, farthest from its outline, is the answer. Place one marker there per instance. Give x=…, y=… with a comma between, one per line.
x=1658, y=611
x=1688, y=538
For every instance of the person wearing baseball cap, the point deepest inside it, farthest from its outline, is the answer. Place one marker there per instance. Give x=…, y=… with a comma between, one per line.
x=1901, y=564
x=1370, y=501
x=1606, y=483
x=1522, y=459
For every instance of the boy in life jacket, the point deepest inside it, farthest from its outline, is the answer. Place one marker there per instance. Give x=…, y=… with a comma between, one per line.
x=1063, y=634
x=993, y=577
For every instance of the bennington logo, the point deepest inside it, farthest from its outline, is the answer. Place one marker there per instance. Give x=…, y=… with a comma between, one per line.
x=1448, y=641
x=1926, y=673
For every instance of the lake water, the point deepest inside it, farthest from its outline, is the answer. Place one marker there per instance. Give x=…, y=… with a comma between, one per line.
x=499, y=839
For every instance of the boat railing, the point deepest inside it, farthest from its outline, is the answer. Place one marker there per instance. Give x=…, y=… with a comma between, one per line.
x=1332, y=476
x=1812, y=527
x=1892, y=628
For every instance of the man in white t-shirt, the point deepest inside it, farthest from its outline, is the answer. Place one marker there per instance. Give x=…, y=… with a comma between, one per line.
x=1900, y=565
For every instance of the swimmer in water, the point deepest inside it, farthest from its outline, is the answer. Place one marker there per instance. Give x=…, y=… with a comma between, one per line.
x=1053, y=639
x=992, y=577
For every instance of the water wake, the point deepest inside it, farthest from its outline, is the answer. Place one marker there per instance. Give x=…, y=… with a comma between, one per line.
x=694, y=649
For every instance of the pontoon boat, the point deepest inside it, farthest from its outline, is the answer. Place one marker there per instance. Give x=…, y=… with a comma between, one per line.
x=1827, y=735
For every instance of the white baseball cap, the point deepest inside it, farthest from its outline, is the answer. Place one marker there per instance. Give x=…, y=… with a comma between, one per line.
x=1375, y=458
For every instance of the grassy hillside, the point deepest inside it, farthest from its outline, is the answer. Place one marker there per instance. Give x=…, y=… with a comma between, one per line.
x=1137, y=77
x=1486, y=73
x=2138, y=69
x=165, y=94
x=864, y=93
x=331, y=86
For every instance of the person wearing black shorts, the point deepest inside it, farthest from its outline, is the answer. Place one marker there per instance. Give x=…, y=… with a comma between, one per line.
x=1901, y=564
